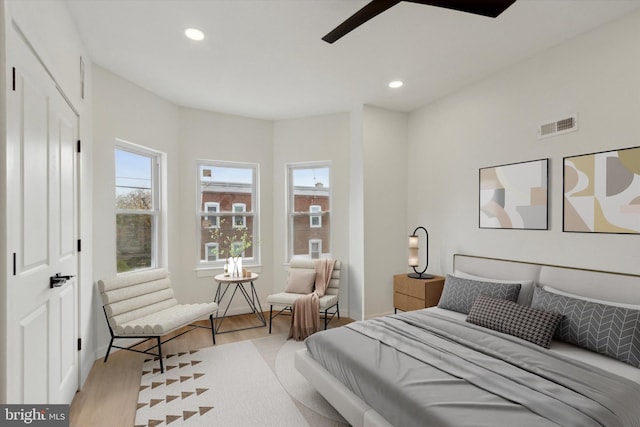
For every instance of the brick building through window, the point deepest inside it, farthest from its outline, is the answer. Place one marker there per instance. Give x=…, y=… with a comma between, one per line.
x=311, y=220
x=230, y=204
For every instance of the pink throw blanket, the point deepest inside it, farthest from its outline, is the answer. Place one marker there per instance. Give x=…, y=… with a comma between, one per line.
x=305, y=316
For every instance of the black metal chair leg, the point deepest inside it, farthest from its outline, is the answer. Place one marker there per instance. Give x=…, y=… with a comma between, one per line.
x=160, y=356
x=338, y=309
x=325, y=318
x=270, y=316
x=106, y=356
x=213, y=329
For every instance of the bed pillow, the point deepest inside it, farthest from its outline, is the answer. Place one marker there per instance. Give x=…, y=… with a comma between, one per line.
x=567, y=294
x=603, y=328
x=300, y=281
x=459, y=294
x=531, y=324
x=526, y=291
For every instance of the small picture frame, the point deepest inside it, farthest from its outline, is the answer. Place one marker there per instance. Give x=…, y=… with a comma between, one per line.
x=515, y=196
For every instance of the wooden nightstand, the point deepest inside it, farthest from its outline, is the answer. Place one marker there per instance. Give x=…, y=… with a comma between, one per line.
x=414, y=294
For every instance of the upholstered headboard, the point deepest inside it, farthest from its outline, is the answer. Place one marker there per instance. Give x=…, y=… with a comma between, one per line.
x=603, y=285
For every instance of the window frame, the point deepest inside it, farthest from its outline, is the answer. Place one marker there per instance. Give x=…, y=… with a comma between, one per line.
x=157, y=210
x=290, y=206
x=254, y=260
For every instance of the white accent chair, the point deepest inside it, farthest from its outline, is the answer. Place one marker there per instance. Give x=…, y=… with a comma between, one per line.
x=142, y=305
x=327, y=301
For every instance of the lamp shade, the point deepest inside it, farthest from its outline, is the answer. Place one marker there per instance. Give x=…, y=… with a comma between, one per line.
x=414, y=246
x=413, y=257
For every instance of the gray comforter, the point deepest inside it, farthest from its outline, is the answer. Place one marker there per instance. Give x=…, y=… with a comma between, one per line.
x=422, y=369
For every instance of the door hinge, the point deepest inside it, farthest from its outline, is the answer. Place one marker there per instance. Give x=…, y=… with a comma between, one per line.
x=13, y=76
x=79, y=245
x=14, y=263
x=79, y=344
x=79, y=147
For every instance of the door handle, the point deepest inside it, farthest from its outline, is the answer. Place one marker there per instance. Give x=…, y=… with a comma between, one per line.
x=58, y=280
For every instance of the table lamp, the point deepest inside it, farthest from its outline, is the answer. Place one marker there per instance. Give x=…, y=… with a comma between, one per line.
x=413, y=255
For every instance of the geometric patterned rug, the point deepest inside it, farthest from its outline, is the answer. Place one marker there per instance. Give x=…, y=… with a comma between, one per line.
x=179, y=383
x=231, y=384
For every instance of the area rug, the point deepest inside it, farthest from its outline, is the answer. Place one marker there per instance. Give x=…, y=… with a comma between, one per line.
x=232, y=385
x=297, y=386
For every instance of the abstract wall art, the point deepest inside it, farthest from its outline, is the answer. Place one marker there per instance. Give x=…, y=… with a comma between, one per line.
x=515, y=196
x=602, y=192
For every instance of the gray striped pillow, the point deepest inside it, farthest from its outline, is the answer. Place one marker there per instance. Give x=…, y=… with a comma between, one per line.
x=459, y=294
x=606, y=329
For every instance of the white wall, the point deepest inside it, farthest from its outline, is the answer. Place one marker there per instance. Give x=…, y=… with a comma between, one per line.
x=309, y=140
x=494, y=122
x=356, y=215
x=385, y=200
x=216, y=136
x=125, y=111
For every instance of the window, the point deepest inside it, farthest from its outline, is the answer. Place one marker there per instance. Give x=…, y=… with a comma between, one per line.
x=309, y=210
x=211, y=251
x=137, y=207
x=239, y=221
x=315, y=220
x=214, y=221
x=227, y=212
x=315, y=248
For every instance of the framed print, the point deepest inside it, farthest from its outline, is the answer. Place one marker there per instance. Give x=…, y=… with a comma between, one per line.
x=515, y=196
x=602, y=192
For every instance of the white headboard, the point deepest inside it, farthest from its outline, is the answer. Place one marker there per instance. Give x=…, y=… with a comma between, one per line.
x=603, y=285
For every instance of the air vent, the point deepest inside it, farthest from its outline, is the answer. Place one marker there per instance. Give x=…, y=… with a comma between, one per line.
x=568, y=124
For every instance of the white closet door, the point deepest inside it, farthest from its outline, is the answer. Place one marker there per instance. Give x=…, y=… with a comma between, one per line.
x=42, y=236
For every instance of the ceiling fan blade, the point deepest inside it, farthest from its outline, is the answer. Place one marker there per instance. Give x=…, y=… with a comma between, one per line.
x=490, y=8
x=371, y=10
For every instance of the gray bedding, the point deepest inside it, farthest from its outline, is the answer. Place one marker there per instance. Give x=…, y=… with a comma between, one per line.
x=423, y=369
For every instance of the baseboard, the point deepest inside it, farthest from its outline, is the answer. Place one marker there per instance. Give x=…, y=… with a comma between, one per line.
x=128, y=342
x=87, y=365
x=371, y=316
x=122, y=342
x=241, y=310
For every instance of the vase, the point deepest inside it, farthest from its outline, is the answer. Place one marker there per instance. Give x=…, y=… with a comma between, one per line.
x=235, y=266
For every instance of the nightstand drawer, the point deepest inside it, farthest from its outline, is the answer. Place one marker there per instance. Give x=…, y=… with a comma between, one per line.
x=406, y=302
x=411, y=287
x=414, y=294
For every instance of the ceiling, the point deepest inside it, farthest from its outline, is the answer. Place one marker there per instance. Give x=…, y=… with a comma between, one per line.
x=265, y=58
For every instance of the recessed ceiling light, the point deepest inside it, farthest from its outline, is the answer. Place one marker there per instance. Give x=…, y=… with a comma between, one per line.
x=194, y=34
x=395, y=84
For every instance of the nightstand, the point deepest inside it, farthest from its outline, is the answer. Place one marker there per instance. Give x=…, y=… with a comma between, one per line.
x=415, y=294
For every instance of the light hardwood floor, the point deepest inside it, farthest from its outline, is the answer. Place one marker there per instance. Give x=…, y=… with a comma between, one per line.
x=109, y=396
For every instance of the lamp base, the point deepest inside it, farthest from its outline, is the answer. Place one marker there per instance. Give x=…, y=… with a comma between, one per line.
x=420, y=276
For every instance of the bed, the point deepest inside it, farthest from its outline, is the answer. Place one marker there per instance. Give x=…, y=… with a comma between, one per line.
x=433, y=368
